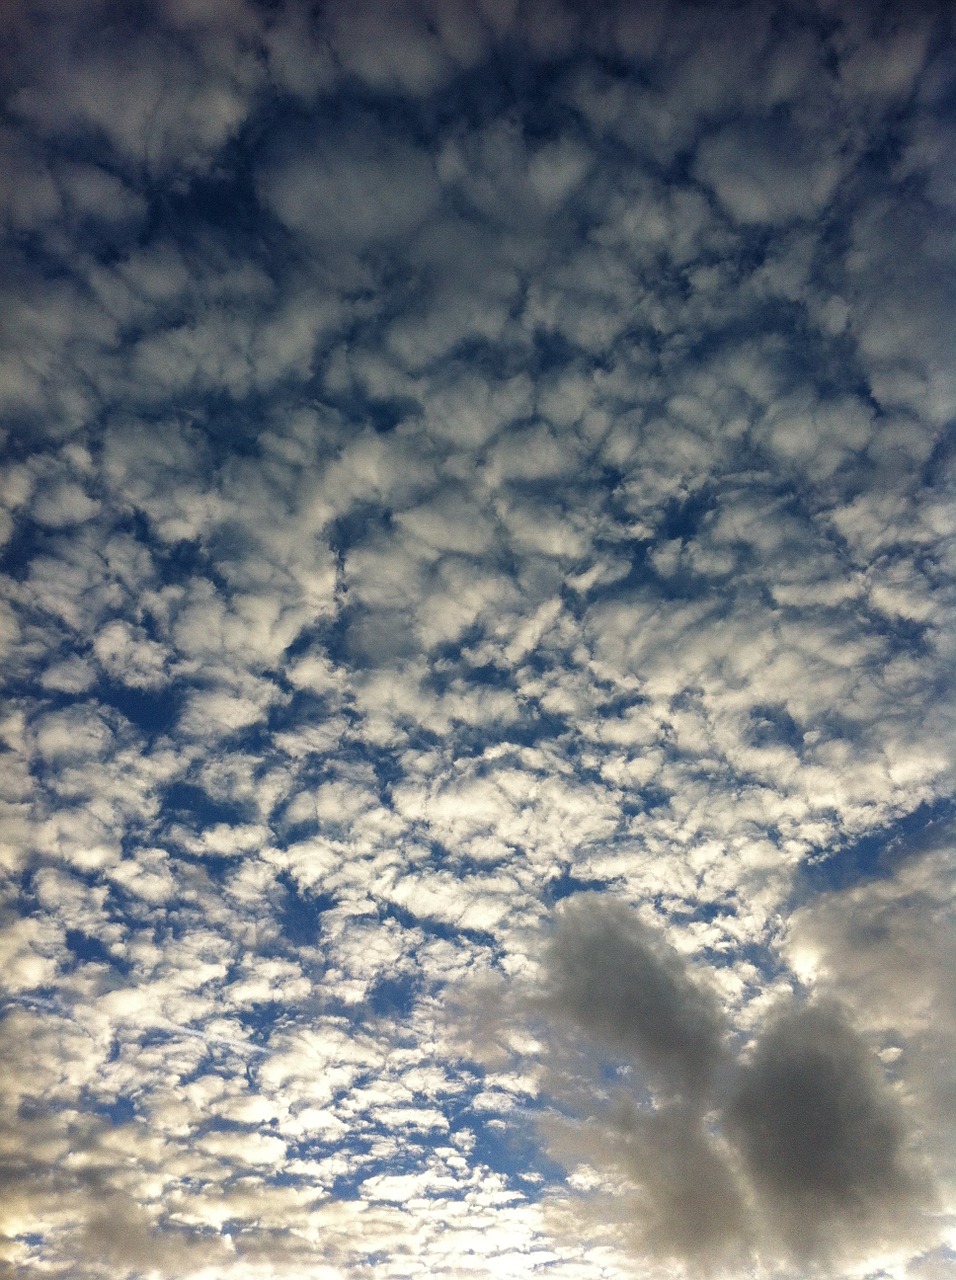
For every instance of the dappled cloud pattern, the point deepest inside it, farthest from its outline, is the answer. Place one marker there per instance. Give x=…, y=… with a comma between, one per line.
x=462, y=457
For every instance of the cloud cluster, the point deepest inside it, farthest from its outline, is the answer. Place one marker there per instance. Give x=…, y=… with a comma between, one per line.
x=612, y=977
x=800, y=1152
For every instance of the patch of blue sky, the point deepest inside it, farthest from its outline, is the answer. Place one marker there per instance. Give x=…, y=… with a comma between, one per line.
x=881, y=852
x=299, y=914
x=85, y=948
x=193, y=805
x=514, y=1149
x=772, y=724
x=152, y=712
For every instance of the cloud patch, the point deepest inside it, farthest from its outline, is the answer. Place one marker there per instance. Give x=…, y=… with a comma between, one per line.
x=804, y=1152
x=617, y=980
x=821, y=1135
x=458, y=453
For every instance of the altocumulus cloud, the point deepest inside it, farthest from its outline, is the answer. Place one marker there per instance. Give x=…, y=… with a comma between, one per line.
x=463, y=458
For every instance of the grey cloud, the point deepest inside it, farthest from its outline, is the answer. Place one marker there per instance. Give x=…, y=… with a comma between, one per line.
x=682, y=1200
x=467, y=291
x=503, y=176
x=396, y=48
x=677, y=1198
x=619, y=982
x=906, y=332
x=766, y=175
x=694, y=1206
x=411, y=50
x=358, y=186
x=887, y=946
x=54, y=195
x=822, y=1138
x=887, y=949
x=801, y=1151
x=162, y=95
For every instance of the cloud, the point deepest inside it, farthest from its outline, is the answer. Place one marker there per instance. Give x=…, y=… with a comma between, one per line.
x=675, y=1194
x=821, y=1135
x=763, y=174
x=163, y=95
x=404, y=49
x=613, y=977
x=357, y=186
x=800, y=1150
x=885, y=948
x=460, y=456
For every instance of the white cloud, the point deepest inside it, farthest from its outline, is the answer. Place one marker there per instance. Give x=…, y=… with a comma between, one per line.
x=460, y=455
x=130, y=656
x=766, y=175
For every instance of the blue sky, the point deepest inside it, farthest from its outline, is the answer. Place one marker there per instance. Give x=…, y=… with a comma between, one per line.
x=477, y=617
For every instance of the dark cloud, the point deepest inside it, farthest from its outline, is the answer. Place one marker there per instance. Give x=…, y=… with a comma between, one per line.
x=887, y=949
x=822, y=1137
x=807, y=1152
x=622, y=984
x=693, y=1205
x=679, y=1196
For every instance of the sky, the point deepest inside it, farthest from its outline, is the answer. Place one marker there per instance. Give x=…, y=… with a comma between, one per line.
x=478, y=629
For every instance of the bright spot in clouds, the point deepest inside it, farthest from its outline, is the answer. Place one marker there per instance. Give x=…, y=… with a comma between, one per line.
x=477, y=618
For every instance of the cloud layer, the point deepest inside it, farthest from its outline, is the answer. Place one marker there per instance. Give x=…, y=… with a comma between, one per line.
x=457, y=455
